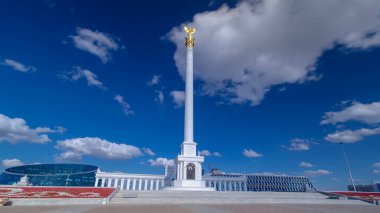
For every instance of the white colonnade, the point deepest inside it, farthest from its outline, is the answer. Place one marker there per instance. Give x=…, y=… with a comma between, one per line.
x=225, y=185
x=226, y=182
x=129, y=181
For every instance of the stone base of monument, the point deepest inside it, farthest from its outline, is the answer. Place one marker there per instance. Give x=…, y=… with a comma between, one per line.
x=189, y=185
x=207, y=197
x=209, y=189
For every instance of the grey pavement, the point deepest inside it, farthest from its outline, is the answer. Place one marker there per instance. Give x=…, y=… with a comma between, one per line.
x=197, y=208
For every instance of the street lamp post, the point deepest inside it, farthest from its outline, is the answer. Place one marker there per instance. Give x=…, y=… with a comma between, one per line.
x=348, y=167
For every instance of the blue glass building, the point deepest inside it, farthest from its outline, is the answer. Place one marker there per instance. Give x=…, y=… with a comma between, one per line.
x=51, y=174
x=257, y=182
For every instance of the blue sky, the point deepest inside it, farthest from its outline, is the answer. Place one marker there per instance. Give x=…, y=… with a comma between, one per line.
x=279, y=84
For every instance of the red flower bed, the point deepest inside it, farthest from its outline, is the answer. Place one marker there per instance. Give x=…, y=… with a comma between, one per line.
x=54, y=192
x=363, y=195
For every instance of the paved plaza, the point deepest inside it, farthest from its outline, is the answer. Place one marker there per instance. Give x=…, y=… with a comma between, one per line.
x=196, y=208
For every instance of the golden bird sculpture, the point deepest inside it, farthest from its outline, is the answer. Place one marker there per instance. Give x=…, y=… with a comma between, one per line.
x=189, y=39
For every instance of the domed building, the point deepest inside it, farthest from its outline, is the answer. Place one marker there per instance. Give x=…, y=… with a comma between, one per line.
x=51, y=175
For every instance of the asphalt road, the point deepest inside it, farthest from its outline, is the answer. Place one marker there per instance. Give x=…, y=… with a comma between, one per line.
x=195, y=208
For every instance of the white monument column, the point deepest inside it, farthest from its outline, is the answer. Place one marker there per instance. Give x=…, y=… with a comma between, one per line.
x=189, y=100
x=189, y=168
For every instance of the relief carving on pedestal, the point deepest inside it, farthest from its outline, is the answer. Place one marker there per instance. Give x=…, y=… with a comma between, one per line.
x=190, y=171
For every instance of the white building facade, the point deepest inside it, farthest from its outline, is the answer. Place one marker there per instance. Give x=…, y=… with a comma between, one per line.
x=126, y=181
x=215, y=180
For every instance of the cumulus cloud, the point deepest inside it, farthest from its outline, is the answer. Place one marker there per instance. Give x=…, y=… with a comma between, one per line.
x=217, y=154
x=125, y=105
x=178, y=98
x=245, y=50
x=18, y=66
x=376, y=167
x=160, y=97
x=155, y=80
x=249, y=153
x=161, y=162
x=11, y=162
x=15, y=130
x=204, y=153
x=149, y=151
x=208, y=153
x=365, y=113
x=349, y=136
x=74, y=149
x=97, y=43
x=79, y=73
x=271, y=173
x=306, y=165
x=68, y=157
x=319, y=172
x=299, y=144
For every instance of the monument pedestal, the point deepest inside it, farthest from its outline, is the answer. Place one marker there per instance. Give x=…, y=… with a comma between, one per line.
x=189, y=185
x=189, y=170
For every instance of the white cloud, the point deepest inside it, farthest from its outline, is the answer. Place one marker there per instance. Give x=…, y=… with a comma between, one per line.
x=126, y=107
x=349, y=136
x=249, y=153
x=242, y=52
x=271, y=173
x=366, y=113
x=160, y=97
x=217, y=154
x=15, y=130
x=155, y=80
x=17, y=66
x=97, y=43
x=161, y=162
x=208, y=153
x=318, y=172
x=376, y=167
x=75, y=148
x=178, y=98
x=299, y=144
x=306, y=165
x=204, y=153
x=59, y=129
x=68, y=157
x=79, y=73
x=149, y=151
x=11, y=162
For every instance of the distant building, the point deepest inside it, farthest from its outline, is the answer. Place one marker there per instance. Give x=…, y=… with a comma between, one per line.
x=50, y=175
x=88, y=175
x=375, y=187
x=256, y=182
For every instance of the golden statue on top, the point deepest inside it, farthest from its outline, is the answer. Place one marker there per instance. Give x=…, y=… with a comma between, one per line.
x=189, y=39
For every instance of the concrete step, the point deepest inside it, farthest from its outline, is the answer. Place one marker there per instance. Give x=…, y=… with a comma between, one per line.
x=231, y=201
x=57, y=201
x=178, y=197
x=213, y=194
